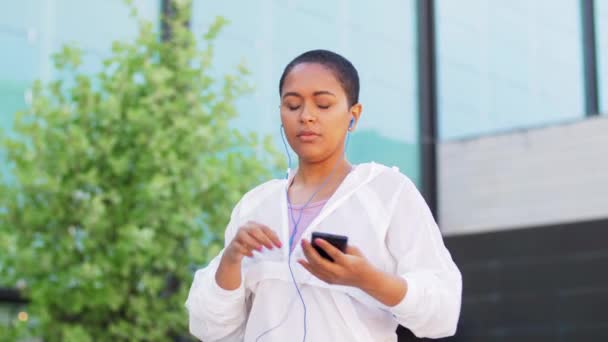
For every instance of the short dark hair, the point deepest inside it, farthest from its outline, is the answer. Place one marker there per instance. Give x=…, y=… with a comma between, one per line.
x=342, y=68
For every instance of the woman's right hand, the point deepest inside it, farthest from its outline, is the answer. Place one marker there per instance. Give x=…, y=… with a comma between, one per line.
x=251, y=236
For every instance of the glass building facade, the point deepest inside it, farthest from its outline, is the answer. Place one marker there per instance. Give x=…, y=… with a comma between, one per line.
x=601, y=34
x=499, y=65
x=32, y=30
x=379, y=40
x=507, y=64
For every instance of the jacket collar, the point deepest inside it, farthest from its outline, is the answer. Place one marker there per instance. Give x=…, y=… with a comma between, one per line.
x=358, y=177
x=360, y=172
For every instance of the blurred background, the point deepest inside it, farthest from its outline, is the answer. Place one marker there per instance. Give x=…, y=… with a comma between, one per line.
x=497, y=109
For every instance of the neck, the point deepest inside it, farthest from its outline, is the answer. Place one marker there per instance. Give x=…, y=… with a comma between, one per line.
x=314, y=173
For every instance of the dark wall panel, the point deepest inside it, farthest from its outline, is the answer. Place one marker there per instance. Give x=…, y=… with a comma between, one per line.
x=545, y=283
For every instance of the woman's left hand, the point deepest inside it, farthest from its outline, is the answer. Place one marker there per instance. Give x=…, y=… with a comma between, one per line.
x=350, y=268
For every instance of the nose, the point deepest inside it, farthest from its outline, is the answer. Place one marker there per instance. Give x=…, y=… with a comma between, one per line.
x=306, y=116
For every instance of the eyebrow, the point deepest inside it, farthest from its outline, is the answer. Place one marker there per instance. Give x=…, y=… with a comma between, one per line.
x=316, y=93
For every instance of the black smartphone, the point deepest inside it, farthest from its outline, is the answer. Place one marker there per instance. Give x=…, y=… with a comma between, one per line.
x=338, y=241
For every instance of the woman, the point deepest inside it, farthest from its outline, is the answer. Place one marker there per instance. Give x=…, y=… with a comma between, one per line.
x=270, y=284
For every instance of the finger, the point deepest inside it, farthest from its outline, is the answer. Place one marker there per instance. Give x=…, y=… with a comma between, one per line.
x=243, y=250
x=309, y=268
x=249, y=242
x=305, y=264
x=272, y=236
x=332, y=251
x=353, y=250
x=326, y=277
x=260, y=237
x=316, y=260
x=309, y=252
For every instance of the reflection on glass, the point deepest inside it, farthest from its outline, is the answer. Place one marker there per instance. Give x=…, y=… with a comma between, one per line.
x=507, y=64
x=601, y=30
x=32, y=30
x=379, y=40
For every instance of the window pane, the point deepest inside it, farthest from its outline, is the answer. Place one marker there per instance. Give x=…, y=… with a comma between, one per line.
x=601, y=22
x=32, y=30
x=379, y=40
x=507, y=64
x=20, y=56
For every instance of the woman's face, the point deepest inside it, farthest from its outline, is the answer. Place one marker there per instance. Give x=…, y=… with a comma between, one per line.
x=315, y=112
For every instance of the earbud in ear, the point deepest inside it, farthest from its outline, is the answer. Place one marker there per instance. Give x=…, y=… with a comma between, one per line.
x=352, y=122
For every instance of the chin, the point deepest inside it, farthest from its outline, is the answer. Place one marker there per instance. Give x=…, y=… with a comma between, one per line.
x=311, y=155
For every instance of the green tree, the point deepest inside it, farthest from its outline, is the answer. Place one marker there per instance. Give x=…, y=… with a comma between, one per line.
x=122, y=183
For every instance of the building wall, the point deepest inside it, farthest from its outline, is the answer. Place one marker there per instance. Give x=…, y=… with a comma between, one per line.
x=524, y=178
x=525, y=215
x=601, y=35
x=544, y=283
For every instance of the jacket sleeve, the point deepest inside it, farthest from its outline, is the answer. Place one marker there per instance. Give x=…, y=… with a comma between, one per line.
x=216, y=314
x=431, y=306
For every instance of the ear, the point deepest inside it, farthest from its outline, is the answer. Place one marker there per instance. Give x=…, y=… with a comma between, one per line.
x=355, y=112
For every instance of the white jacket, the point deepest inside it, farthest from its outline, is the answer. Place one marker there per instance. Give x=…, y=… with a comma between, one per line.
x=382, y=213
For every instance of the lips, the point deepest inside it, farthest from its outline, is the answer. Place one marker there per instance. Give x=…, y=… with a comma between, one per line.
x=307, y=135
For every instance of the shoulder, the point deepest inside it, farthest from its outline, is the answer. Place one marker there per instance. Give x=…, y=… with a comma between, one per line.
x=391, y=186
x=386, y=176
